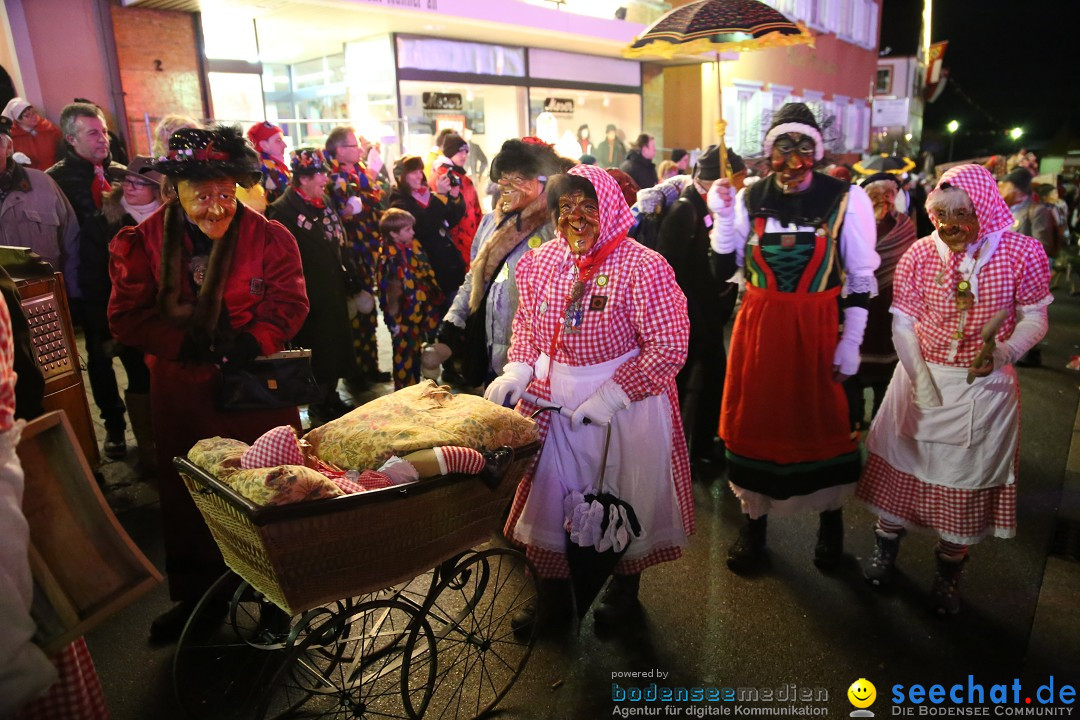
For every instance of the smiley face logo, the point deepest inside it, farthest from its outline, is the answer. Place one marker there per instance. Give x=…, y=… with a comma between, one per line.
x=862, y=693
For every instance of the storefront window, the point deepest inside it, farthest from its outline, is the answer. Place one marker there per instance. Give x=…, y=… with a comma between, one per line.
x=491, y=114
x=557, y=114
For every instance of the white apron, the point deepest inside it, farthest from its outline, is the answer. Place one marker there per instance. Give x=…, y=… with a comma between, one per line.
x=638, y=464
x=968, y=443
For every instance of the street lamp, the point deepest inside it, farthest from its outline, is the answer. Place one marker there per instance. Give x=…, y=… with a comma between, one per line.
x=1016, y=132
x=952, y=127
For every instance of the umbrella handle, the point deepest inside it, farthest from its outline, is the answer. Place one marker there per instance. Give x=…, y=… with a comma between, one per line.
x=564, y=411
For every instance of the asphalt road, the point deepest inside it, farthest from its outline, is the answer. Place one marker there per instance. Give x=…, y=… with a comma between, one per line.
x=791, y=631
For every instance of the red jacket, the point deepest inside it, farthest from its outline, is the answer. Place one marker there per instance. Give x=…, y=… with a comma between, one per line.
x=42, y=146
x=264, y=292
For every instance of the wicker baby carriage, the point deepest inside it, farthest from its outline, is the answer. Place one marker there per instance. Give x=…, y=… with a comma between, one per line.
x=361, y=604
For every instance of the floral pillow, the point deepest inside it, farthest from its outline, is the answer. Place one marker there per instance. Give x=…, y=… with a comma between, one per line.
x=415, y=418
x=278, y=485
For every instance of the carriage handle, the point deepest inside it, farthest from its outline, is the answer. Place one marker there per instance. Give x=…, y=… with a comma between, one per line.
x=541, y=403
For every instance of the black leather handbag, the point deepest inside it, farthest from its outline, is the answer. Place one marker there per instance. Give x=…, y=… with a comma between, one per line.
x=270, y=382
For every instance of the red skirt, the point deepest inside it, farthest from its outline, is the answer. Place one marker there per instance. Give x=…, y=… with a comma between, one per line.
x=183, y=402
x=781, y=404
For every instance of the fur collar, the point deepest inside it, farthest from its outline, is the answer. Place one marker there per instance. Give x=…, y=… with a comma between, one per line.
x=200, y=319
x=111, y=209
x=507, y=236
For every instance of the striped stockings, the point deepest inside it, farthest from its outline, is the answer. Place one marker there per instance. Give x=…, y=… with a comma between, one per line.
x=948, y=551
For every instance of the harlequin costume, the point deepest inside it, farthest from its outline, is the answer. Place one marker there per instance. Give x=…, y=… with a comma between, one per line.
x=419, y=307
x=275, y=173
x=628, y=333
x=364, y=241
x=948, y=465
x=784, y=420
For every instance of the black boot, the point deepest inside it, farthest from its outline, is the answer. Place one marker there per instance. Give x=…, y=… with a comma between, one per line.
x=945, y=590
x=747, y=554
x=619, y=604
x=496, y=463
x=830, y=539
x=882, y=567
x=115, y=446
x=551, y=610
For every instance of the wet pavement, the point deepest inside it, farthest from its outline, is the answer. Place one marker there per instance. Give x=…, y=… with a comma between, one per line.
x=789, y=631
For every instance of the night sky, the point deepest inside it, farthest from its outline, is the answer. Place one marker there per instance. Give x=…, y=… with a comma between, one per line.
x=1011, y=63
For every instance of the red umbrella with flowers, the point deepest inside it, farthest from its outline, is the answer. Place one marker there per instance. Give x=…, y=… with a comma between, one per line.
x=718, y=26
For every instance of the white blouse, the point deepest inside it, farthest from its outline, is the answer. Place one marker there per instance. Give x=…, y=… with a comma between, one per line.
x=858, y=237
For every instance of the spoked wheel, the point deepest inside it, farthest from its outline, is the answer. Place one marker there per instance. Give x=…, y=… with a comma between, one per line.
x=478, y=654
x=230, y=649
x=351, y=666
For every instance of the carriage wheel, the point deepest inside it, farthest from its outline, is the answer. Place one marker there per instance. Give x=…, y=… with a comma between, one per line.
x=351, y=665
x=478, y=654
x=224, y=663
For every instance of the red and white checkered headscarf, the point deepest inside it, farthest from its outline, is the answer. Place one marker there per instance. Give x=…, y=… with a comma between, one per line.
x=615, y=215
x=981, y=187
x=274, y=447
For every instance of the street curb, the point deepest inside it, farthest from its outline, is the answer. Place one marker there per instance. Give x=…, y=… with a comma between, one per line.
x=1054, y=643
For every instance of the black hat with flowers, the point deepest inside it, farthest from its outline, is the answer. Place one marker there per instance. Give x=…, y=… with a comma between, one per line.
x=209, y=154
x=308, y=161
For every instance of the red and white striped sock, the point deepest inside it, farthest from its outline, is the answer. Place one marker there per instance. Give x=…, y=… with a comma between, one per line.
x=453, y=459
x=950, y=551
x=888, y=529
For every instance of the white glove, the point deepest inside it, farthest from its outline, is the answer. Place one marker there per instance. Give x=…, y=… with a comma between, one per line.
x=506, y=389
x=721, y=197
x=601, y=406
x=846, y=357
x=721, y=202
x=1031, y=325
x=353, y=206
x=906, y=343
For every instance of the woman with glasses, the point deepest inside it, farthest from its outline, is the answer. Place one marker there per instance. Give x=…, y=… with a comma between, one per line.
x=33, y=134
x=134, y=198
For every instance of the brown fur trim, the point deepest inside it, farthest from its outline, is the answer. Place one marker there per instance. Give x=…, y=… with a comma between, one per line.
x=111, y=209
x=501, y=243
x=202, y=318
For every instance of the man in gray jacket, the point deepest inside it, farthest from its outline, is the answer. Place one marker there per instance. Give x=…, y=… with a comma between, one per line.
x=35, y=214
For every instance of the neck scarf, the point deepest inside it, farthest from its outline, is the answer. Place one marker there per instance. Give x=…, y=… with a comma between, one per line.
x=316, y=202
x=139, y=212
x=99, y=186
x=422, y=196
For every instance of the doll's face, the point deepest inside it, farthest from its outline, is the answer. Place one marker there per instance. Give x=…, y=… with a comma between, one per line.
x=792, y=159
x=579, y=221
x=210, y=204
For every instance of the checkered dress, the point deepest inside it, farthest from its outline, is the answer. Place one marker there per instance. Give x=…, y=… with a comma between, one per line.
x=632, y=302
x=76, y=695
x=7, y=372
x=1015, y=275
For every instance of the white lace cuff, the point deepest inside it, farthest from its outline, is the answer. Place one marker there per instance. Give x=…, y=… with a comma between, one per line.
x=860, y=284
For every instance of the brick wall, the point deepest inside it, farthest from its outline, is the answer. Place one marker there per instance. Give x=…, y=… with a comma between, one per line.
x=159, y=67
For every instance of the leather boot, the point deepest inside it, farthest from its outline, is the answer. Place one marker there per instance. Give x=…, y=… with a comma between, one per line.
x=945, y=590
x=496, y=463
x=882, y=567
x=138, y=407
x=619, y=605
x=747, y=554
x=555, y=608
x=830, y=539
